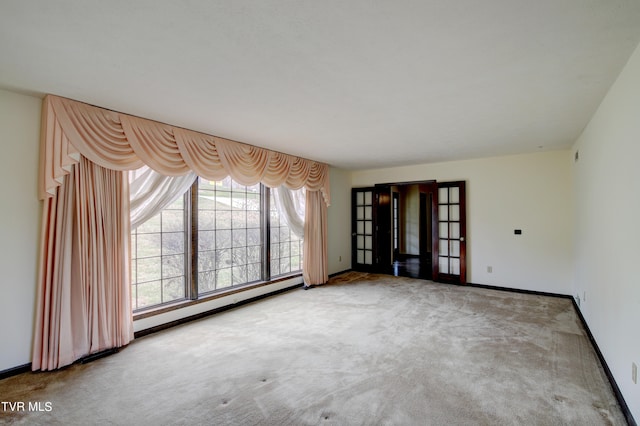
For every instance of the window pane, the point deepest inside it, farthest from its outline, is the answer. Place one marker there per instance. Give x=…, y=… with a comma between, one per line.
x=223, y=259
x=368, y=197
x=206, y=260
x=253, y=219
x=173, y=243
x=455, y=230
x=206, y=200
x=236, y=236
x=223, y=278
x=454, y=194
x=173, y=289
x=223, y=239
x=443, y=212
x=158, y=258
x=444, y=248
x=148, y=294
x=206, y=240
x=206, y=220
x=239, y=237
x=443, y=195
x=238, y=201
x=173, y=266
x=152, y=225
x=239, y=274
x=285, y=250
x=443, y=229
x=223, y=200
x=443, y=265
x=172, y=220
x=239, y=256
x=253, y=237
x=286, y=255
x=223, y=219
x=454, y=212
x=254, y=254
x=206, y=281
x=149, y=269
x=148, y=245
x=254, y=272
x=238, y=219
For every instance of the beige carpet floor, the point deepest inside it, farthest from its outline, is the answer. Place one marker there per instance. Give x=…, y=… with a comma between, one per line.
x=366, y=349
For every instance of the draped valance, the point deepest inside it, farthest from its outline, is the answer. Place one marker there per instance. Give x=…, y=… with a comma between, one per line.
x=117, y=141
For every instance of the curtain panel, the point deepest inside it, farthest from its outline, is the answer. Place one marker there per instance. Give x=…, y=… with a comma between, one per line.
x=84, y=298
x=83, y=286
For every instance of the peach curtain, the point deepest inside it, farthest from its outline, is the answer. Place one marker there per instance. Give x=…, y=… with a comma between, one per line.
x=84, y=299
x=73, y=132
x=315, y=270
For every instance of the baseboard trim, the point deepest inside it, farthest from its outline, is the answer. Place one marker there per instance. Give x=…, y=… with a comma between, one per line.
x=92, y=357
x=25, y=368
x=201, y=315
x=519, y=290
x=616, y=390
x=614, y=386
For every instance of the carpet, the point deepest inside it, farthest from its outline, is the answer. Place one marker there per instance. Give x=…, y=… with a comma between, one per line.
x=364, y=349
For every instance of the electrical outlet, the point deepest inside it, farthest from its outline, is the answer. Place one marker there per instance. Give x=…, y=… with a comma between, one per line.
x=634, y=373
x=490, y=269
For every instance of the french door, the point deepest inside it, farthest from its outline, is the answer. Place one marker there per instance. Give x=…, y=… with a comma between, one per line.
x=375, y=229
x=451, y=233
x=371, y=229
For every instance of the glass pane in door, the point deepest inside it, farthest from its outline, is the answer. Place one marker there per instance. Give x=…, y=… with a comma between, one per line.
x=449, y=227
x=363, y=231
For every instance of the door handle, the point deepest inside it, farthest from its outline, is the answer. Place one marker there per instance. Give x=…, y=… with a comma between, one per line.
x=462, y=239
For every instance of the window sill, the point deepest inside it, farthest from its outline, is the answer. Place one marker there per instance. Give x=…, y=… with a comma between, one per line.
x=207, y=298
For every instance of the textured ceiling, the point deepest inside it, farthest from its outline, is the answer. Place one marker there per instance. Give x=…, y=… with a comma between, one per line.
x=356, y=84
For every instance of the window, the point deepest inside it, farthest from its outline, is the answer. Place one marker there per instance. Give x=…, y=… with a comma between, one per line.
x=229, y=234
x=285, y=246
x=158, y=258
x=209, y=240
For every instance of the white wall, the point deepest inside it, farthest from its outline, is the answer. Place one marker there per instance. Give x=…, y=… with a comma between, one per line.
x=20, y=224
x=339, y=218
x=607, y=234
x=529, y=192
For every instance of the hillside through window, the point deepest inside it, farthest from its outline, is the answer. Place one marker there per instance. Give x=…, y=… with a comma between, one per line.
x=238, y=235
